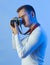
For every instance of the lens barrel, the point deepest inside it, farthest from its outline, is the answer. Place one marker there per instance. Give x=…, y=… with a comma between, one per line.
x=17, y=20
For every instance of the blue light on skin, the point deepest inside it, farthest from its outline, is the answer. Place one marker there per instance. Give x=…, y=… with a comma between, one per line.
x=32, y=18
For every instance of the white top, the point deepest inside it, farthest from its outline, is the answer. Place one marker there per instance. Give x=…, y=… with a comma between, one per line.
x=31, y=49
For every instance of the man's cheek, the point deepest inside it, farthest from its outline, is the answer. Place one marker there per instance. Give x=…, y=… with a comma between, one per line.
x=24, y=22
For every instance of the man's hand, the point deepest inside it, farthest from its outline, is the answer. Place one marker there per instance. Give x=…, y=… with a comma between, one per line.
x=14, y=29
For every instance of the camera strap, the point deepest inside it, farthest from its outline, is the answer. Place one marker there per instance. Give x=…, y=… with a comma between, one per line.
x=30, y=30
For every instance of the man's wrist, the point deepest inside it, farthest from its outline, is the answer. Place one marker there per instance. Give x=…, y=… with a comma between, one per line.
x=15, y=33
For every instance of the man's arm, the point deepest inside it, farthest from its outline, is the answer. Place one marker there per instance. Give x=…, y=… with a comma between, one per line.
x=13, y=41
x=34, y=40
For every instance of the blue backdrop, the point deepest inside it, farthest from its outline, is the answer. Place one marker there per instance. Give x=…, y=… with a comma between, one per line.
x=8, y=8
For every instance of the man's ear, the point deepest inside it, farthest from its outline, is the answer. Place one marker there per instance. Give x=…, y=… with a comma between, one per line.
x=32, y=13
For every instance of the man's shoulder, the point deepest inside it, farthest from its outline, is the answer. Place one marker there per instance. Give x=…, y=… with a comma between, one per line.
x=39, y=31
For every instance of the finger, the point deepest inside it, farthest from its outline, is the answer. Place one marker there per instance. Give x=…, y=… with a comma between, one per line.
x=11, y=28
x=16, y=26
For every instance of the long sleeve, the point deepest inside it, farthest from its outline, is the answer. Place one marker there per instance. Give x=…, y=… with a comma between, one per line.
x=34, y=40
x=13, y=41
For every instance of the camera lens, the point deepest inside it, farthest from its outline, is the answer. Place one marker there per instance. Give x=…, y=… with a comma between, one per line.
x=17, y=20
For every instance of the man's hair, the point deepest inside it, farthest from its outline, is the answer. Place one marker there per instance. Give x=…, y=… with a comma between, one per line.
x=28, y=8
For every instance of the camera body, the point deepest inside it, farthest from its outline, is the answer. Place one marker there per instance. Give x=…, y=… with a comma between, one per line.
x=16, y=20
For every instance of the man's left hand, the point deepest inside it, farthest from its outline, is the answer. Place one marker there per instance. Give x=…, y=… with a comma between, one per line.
x=14, y=29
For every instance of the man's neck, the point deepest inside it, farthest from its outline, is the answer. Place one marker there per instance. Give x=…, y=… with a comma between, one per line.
x=32, y=25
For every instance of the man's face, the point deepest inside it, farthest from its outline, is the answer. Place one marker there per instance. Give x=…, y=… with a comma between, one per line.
x=25, y=16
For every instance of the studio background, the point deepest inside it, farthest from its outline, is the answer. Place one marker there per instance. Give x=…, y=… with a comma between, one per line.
x=8, y=8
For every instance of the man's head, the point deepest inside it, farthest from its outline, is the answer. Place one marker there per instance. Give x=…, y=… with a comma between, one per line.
x=27, y=13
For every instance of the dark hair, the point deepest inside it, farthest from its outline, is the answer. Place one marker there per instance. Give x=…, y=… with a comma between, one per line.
x=28, y=8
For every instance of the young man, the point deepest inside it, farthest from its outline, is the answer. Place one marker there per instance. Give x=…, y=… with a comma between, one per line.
x=32, y=48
